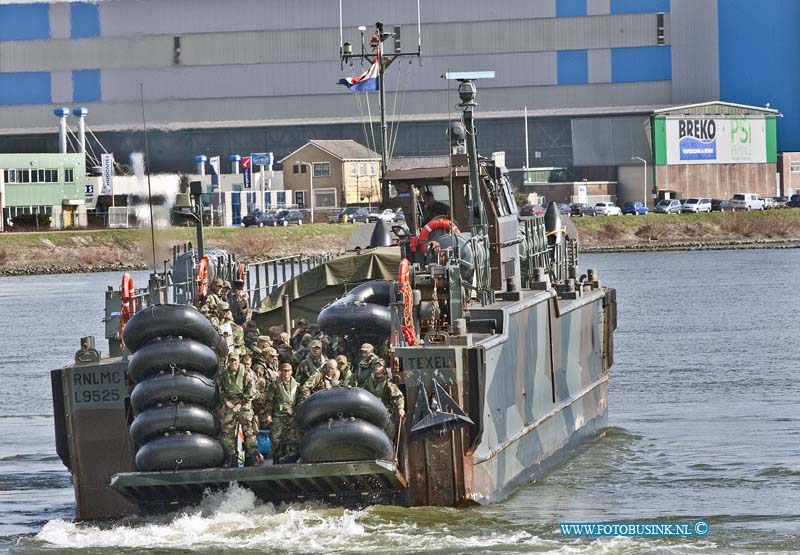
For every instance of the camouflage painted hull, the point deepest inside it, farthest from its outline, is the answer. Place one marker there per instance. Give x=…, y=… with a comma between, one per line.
x=541, y=384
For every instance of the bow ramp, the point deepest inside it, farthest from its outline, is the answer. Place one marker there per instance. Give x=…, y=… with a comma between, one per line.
x=342, y=482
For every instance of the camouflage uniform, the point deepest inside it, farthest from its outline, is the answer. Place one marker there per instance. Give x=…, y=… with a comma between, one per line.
x=280, y=404
x=283, y=348
x=317, y=382
x=302, y=351
x=266, y=374
x=209, y=305
x=311, y=363
x=387, y=391
x=365, y=364
x=346, y=376
x=237, y=387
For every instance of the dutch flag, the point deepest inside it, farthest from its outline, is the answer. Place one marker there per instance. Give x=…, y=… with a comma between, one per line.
x=370, y=80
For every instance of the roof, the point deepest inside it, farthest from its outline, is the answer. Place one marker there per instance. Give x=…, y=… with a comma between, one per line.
x=716, y=108
x=418, y=174
x=413, y=162
x=345, y=149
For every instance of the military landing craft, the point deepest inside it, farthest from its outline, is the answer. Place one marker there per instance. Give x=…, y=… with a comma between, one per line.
x=502, y=350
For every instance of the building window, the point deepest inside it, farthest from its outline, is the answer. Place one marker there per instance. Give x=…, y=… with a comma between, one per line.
x=69, y=175
x=322, y=169
x=354, y=169
x=295, y=169
x=281, y=198
x=325, y=198
x=372, y=168
x=10, y=176
x=795, y=166
x=362, y=168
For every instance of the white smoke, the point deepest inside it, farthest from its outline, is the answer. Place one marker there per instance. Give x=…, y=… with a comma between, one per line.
x=165, y=186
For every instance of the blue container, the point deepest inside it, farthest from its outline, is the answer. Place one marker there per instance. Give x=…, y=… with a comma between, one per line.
x=264, y=442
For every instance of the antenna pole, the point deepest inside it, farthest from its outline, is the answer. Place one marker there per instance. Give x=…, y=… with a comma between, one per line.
x=147, y=169
x=382, y=96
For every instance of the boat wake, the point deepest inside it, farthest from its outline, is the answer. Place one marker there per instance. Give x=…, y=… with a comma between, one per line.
x=235, y=520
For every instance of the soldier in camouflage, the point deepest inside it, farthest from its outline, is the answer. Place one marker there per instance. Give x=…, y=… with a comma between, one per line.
x=366, y=364
x=326, y=378
x=346, y=376
x=236, y=392
x=283, y=348
x=209, y=305
x=379, y=384
x=302, y=351
x=280, y=404
x=311, y=363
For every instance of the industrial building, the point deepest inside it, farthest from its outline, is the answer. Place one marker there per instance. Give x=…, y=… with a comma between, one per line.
x=257, y=75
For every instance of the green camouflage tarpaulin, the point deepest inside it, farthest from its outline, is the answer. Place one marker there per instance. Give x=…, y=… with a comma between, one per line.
x=312, y=290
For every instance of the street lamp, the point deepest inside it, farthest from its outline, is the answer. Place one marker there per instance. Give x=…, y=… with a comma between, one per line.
x=643, y=161
x=310, y=184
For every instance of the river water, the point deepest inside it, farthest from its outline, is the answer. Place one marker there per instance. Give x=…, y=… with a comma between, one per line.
x=704, y=415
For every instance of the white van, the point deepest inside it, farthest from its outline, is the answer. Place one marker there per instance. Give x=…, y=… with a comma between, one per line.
x=747, y=201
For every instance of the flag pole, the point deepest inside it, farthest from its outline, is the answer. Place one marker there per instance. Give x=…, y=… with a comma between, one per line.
x=382, y=96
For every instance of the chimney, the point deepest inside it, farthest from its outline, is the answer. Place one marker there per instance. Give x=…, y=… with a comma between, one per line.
x=62, y=114
x=80, y=113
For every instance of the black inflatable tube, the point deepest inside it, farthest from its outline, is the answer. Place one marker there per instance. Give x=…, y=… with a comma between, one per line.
x=350, y=439
x=171, y=320
x=179, y=452
x=173, y=418
x=364, y=320
x=363, y=310
x=160, y=355
x=341, y=402
x=191, y=388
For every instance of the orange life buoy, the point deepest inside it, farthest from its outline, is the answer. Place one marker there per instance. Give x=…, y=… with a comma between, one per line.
x=202, y=278
x=127, y=291
x=442, y=224
x=404, y=278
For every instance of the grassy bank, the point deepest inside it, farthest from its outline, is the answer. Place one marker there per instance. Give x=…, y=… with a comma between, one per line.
x=660, y=230
x=117, y=249
x=120, y=249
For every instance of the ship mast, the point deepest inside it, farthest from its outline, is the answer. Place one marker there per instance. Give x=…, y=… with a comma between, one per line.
x=384, y=59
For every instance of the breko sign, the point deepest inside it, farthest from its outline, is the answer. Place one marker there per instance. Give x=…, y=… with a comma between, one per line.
x=716, y=140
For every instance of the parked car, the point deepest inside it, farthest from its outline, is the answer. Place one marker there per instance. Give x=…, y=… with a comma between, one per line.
x=531, y=210
x=747, y=201
x=256, y=217
x=696, y=205
x=607, y=209
x=354, y=214
x=284, y=218
x=582, y=209
x=794, y=201
x=634, y=208
x=668, y=206
x=720, y=205
x=564, y=208
x=780, y=202
x=389, y=216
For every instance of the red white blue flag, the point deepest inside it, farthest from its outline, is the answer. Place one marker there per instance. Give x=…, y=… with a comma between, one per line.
x=370, y=80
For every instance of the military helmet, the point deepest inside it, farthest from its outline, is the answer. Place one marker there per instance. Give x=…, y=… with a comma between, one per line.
x=272, y=352
x=266, y=338
x=342, y=359
x=223, y=306
x=367, y=347
x=233, y=355
x=217, y=282
x=226, y=284
x=284, y=337
x=316, y=343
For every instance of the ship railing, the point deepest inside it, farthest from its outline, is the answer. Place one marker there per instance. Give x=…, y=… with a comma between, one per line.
x=264, y=277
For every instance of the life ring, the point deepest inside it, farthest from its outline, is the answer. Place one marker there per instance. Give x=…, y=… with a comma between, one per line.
x=202, y=278
x=350, y=439
x=180, y=451
x=173, y=418
x=404, y=279
x=126, y=292
x=442, y=224
x=339, y=402
x=161, y=355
